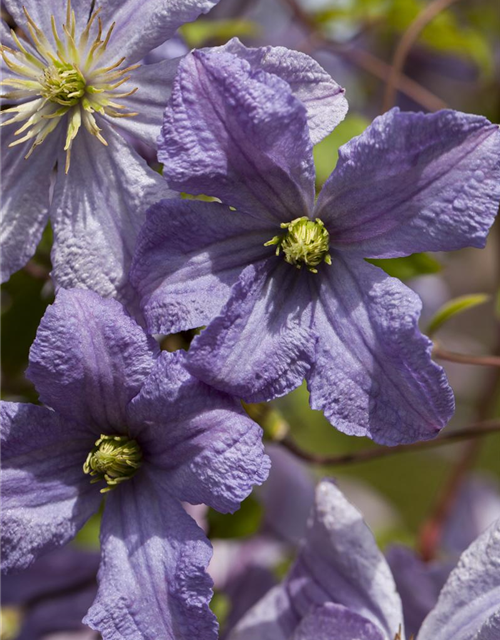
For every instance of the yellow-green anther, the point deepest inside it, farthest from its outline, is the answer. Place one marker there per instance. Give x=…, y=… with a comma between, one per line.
x=113, y=459
x=306, y=242
x=63, y=84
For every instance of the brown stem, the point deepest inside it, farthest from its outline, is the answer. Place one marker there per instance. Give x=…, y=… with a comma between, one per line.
x=366, y=61
x=477, y=430
x=484, y=361
x=408, y=39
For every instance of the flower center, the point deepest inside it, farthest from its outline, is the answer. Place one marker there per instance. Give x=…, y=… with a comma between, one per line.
x=306, y=242
x=61, y=76
x=113, y=459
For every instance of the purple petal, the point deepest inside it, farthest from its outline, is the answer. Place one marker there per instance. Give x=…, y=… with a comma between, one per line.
x=373, y=374
x=418, y=584
x=332, y=621
x=154, y=83
x=98, y=209
x=41, y=13
x=46, y=497
x=152, y=580
x=413, y=182
x=470, y=600
x=239, y=134
x=209, y=450
x=341, y=563
x=260, y=346
x=271, y=618
x=25, y=197
x=142, y=26
x=323, y=98
x=188, y=256
x=90, y=359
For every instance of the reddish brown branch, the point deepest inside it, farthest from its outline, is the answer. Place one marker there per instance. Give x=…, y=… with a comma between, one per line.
x=484, y=361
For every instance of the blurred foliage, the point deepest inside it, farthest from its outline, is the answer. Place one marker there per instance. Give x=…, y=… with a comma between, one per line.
x=453, y=307
x=418, y=264
x=209, y=32
x=245, y=523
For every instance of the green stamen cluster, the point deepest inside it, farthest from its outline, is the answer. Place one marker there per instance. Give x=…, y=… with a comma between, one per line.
x=63, y=84
x=305, y=243
x=113, y=459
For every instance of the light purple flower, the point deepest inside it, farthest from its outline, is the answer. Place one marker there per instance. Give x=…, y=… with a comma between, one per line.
x=151, y=436
x=411, y=182
x=341, y=587
x=69, y=104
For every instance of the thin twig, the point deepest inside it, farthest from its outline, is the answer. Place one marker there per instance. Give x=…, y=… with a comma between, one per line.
x=484, y=361
x=408, y=39
x=366, y=61
x=366, y=455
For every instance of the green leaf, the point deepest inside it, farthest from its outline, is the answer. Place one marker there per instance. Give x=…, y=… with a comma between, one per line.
x=203, y=32
x=240, y=524
x=418, y=264
x=454, y=307
x=326, y=152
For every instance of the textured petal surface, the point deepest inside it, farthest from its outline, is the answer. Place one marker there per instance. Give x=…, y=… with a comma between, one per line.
x=470, y=599
x=25, y=198
x=41, y=13
x=142, y=26
x=323, y=98
x=208, y=449
x=413, y=182
x=46, y=497
x=97, y=212
x=270, y=619
x=260, y=346
x=373, y=374
x=90, y=359
x=188, y=256
x=334, y=621
x=340, y=562
x=239, y=134
x=154, y=83
x=152, y=579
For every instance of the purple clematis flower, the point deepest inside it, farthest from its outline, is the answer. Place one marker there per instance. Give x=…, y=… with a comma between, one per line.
x=281, y=280
x=341, y=587
x=129, y=421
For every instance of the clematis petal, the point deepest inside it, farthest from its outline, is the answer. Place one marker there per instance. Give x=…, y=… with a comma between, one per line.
x=25, y=198
x=41, y=13
x=188, y=256
x=154, y=83
x=143, y=26
x=152, y=580
x=470, y=600
x=90, y=359
x=270, y=619
x=334, y=621
x=414, y=182
x=239, y=134
x=208, y=449
x=261, y=345
x=373, y=373
x=98, y=209
x=323, y=98
x=46, y=497
x=327, y=570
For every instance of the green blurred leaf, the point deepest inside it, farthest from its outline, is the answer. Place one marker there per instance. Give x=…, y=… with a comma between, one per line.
x=454, y=307
x=203, y=32
x=418, y=264
x=326, y=152
x=244, y=522
x=88, y=536
x=221, y=606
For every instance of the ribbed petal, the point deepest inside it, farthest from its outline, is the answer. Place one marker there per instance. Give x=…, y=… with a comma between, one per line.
x=188, y=256
x=98, y=209
x=323, y=98
x=206, y=447
x=270, y=619
x=334, y=621
x=46, y=497
x=261, y=345
x=413, y=182
x=90, y=359
x=25, y=197
x=373, y=373
x=41, y=13
x=152, y=580
x=154, y=83
x=469, y=604
x=239, y=134
x=142, y=26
